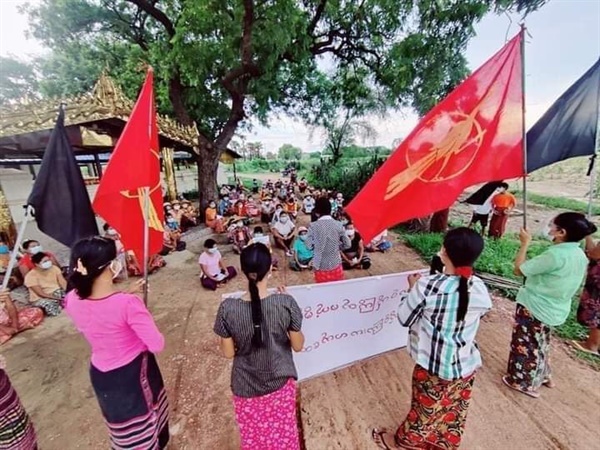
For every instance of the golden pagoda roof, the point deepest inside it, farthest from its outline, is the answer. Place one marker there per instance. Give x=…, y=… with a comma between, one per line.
x=106, y=101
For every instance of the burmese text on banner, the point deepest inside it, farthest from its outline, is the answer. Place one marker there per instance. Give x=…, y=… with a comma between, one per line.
x=347, y=321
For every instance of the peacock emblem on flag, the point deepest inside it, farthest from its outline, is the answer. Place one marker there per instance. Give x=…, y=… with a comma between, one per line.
x=440, y=162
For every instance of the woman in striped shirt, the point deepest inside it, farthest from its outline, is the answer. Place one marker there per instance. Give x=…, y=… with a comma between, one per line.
x=259, y=333
x=443, y=312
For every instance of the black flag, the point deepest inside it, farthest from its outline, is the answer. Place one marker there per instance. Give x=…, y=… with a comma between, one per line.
x=569, y=127
x=484, y=193
x=60, y=200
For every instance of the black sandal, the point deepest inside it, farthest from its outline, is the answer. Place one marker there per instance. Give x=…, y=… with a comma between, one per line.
x=377, y=436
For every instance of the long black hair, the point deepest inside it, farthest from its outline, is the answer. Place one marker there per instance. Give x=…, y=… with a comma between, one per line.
x=576, y=226
x=256, y=264
x=463, y=246
x=89, y=258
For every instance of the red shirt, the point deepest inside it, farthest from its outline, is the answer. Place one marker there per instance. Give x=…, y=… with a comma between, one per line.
x=26, y=261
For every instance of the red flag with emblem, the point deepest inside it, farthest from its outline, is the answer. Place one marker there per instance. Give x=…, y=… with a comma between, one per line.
x=472, y=136
x=134, y=166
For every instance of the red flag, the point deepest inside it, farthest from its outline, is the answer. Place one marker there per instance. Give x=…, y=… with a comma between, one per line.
x=474, y=135
x=134, y=165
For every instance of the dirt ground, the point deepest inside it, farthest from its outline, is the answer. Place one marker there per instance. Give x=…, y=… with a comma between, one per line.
x=49, y=368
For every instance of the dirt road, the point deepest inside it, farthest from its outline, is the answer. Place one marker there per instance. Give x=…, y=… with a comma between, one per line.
x=48, y=367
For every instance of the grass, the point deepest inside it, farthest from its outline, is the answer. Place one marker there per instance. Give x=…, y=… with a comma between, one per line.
x=497, y=259
x=559, y=203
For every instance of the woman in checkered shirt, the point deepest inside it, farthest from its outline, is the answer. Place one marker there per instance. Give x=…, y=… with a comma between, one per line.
x=443, y=312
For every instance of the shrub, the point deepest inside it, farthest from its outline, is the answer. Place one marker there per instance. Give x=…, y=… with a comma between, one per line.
x=347, y=175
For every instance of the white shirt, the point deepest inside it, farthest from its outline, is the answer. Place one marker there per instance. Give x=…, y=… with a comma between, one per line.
x=285, y=229
x=309, y=204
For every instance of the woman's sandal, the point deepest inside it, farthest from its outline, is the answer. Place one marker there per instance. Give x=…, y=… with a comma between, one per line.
x=581, y=348
x=377, y=436
x=531, y=394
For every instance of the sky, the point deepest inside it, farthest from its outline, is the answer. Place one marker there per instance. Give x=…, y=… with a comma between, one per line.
x=564, y=42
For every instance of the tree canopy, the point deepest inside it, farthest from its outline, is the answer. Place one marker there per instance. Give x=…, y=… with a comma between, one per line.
x=220, y=63
x=289, y=152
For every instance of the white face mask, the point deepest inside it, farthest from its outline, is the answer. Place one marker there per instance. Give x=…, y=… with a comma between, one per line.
x=350, y=233
x=258, y=235
x=213, y=250
x=115, y=267
x=111, y=232
x=35, y=249
x=283, y=219
x=45, y=265
x=546, y=233
x=176, y=207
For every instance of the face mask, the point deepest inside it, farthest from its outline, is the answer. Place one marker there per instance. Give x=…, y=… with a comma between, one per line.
x=45, y=265
x=258, y=235
x=239, y=224
x=111, y=232
x=226, y=199
x=115, y=267
x=4, y=249
x=176, y=208
x=350, y=233
x=546, y=233
x=212, y=206
x=344, y=221
x=35, y=250
x=212, y=251
x=242, y=197
x=302, y=237
x=283, y=219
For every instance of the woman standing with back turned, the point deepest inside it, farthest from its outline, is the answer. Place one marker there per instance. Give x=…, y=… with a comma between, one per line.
x=124, y=338
x=259, y=333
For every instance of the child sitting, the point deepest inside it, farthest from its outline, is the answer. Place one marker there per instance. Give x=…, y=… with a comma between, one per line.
x=302, y=255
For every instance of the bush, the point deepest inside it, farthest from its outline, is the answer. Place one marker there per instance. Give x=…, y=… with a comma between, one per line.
x=260, y=165
x=347, y=175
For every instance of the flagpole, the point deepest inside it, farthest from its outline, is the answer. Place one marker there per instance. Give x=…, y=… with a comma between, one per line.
x=13, y=256
x=146, y=191
x=593, y=168
x=524, y=125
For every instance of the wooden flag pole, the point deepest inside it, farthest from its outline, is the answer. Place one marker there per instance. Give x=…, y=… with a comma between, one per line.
x=13, y=256
x=524, y=127
x=146, y=191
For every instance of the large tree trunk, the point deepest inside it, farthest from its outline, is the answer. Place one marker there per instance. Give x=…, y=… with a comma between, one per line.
x=207, y=162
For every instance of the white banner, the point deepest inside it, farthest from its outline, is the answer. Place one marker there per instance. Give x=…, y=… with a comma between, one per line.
x=348, y=321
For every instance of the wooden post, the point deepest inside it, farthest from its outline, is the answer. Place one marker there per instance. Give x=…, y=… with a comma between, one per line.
x=171, y=182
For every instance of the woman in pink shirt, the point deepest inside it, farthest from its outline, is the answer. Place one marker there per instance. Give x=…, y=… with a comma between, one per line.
x=124, y=338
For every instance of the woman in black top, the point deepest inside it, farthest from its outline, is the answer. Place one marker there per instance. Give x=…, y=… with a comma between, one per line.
x=259, y=333
x=354, y=257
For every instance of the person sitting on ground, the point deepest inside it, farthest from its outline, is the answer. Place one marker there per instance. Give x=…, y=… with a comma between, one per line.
x=502, y=203
x=46, y=284
x=214, y=273
x=259, y=237
x=189, y=212
x=303, y=185
x=267, y=210
x=257, y=331
x=213, y=219
x=167, y=207
x=326, y=237
x=239, y=209
x=4, y=252
x=291, y=207
x=239, y=235
x=308, y=204
x=32, y=247
x=354, y=257
x=303, y=256
x=225, y=191
x=252, y=208
x=255, y=186
x=224, y=207
x=379, y=243
x=14, y=320
x=277, y=213
x=443, y=313
x=183, y=222
x=284, y=231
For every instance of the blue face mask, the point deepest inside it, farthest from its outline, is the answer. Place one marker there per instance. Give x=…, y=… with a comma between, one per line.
x=4, y=249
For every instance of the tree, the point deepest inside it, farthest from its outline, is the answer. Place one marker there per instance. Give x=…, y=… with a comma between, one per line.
x=288, y=152
x=17, y=80
x=220, y=62
x=254, y=150
x=342, y=133
x=270, y=156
